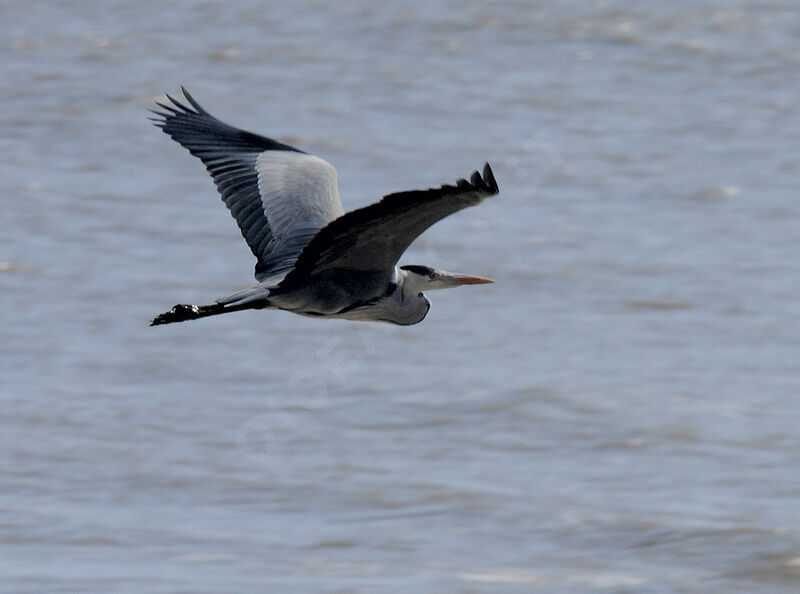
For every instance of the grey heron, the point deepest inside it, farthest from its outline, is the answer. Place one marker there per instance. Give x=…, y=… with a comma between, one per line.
x=312, y=258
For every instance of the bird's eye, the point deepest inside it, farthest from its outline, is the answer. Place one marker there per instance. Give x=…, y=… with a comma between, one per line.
x=419, y=294
x=432, y=275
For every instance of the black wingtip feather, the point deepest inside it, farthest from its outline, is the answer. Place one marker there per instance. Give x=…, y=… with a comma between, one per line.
x=169, y=108
x=488, y=175
x=489, y=180
x=192, y=101
x=486, y=182
x=178, y=103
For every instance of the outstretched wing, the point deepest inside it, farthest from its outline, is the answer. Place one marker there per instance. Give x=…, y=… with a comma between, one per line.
x=374, y=238
x=279, y=195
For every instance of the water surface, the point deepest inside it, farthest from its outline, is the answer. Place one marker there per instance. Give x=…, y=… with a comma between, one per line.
x=618, y=413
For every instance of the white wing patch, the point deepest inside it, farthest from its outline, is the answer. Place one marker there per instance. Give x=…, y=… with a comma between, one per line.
x=300, y=193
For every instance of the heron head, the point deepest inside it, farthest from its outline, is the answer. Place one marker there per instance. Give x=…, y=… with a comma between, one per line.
x=427, y=278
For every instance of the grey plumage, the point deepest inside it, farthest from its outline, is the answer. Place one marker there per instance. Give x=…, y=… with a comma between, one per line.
x=312, y=258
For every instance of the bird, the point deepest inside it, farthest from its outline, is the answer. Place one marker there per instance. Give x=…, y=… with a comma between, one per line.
x=312, y=258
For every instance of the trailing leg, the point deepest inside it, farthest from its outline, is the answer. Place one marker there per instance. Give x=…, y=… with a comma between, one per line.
x=183, y=311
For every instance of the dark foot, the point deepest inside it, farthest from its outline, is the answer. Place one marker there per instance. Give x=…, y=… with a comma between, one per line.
x=179, y=313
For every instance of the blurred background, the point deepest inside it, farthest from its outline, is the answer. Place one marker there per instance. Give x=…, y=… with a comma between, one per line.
x=619, y=413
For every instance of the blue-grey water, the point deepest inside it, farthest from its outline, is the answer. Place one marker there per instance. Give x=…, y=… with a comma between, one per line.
x=619, y=413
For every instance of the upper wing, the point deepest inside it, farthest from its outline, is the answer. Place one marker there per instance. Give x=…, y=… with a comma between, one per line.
x=279, y=195
x=374, y=237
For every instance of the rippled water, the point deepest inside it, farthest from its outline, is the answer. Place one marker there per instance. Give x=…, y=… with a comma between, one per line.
x=618, y=413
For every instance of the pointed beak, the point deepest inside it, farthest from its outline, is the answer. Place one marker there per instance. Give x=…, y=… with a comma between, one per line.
x=450, y=279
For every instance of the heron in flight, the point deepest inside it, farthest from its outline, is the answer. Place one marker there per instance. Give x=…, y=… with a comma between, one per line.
x=312, y=258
